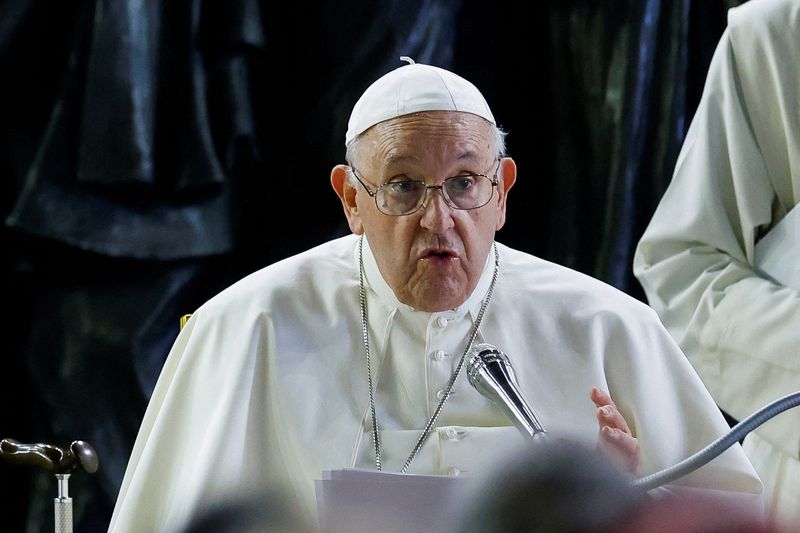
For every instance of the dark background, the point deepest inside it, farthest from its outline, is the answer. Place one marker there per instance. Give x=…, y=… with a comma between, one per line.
x=153, y=152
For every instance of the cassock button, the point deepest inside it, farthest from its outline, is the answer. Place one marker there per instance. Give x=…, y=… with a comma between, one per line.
x=441, y=392
x=453, y=471
x=438, y=355
x=441, y=322
x=451, y=433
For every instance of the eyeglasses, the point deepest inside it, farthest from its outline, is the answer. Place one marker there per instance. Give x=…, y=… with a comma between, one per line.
x=405, y=196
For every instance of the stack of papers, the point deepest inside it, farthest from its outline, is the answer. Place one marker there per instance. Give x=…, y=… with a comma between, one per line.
x=361, y=500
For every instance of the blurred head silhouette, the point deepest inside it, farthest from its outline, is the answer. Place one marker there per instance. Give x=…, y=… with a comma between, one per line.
x=250, y=514
x=562, y=486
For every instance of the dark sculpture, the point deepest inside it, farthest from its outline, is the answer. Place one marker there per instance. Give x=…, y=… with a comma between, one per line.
x=80, y=454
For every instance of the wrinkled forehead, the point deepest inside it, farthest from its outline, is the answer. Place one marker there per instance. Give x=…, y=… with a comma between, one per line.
x=428, y=137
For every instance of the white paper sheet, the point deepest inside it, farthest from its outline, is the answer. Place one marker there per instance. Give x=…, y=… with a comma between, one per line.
x=360, y=500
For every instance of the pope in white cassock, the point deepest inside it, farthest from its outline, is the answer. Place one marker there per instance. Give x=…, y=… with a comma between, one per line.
x=267, y=385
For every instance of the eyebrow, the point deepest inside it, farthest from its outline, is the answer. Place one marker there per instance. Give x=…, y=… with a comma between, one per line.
x=395, y=159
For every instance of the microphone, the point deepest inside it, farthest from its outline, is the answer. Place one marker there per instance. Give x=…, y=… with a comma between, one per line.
x=490, y=372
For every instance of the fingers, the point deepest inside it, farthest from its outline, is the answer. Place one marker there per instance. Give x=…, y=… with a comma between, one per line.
x=621, y=448
x=609, y=417
x=607, y=413
x=601, y=397
x=616, y=440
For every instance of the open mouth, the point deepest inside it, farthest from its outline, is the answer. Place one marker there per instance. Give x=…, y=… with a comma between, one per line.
x=438, y=255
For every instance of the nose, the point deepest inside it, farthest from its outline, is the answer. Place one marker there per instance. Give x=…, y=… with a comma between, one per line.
x=437, y=216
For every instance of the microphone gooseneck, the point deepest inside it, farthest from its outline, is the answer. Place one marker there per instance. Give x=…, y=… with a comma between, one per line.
x=695, y=461
x=490, y=372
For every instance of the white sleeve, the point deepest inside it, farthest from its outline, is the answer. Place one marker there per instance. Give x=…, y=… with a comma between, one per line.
x=205, y=436
x=670, y=411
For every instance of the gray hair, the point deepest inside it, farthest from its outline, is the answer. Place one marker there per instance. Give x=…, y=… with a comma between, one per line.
x=351, y=152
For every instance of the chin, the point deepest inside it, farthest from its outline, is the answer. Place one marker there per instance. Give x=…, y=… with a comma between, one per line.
x=434, y=295
x=435, y=302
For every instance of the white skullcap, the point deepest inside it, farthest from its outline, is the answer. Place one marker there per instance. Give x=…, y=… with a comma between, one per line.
x=413, y=88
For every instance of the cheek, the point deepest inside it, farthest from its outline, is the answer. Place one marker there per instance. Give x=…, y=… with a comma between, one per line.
x=401, y=245
x=394, y=235
x=490, y=221
x=481, y=223
x=477, y=233
x=373, y=220
x=400, y=234
x=364, y=204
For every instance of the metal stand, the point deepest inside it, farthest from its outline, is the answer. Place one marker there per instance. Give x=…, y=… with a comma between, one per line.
x=63, y=505
x=59, y=461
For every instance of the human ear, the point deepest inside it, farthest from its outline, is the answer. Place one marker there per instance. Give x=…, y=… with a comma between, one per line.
x=346, y=192
x=507, y=176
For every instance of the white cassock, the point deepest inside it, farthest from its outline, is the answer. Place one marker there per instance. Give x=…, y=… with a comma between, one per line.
x=737, y=176
x=266, y=385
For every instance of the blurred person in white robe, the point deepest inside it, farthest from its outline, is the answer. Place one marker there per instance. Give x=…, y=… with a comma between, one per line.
x=736, y=179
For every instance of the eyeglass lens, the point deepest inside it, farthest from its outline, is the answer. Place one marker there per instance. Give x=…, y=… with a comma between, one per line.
x=460, y=192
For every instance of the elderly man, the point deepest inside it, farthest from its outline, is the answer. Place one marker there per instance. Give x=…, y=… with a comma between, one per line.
x=349, y=355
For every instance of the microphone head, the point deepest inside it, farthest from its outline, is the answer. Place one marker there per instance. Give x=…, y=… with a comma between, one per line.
x=490, y=372
x=487, y=362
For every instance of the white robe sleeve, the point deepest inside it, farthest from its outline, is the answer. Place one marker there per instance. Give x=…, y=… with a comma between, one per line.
x=736, y=177
x=189, y=453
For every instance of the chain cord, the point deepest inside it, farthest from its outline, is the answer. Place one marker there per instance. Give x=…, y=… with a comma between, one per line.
x=362, y=294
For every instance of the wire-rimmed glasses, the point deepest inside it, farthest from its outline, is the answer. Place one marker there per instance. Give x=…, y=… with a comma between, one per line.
x=400, y=197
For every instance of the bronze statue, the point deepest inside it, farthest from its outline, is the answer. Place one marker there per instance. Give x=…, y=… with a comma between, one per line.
x=51, y=458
